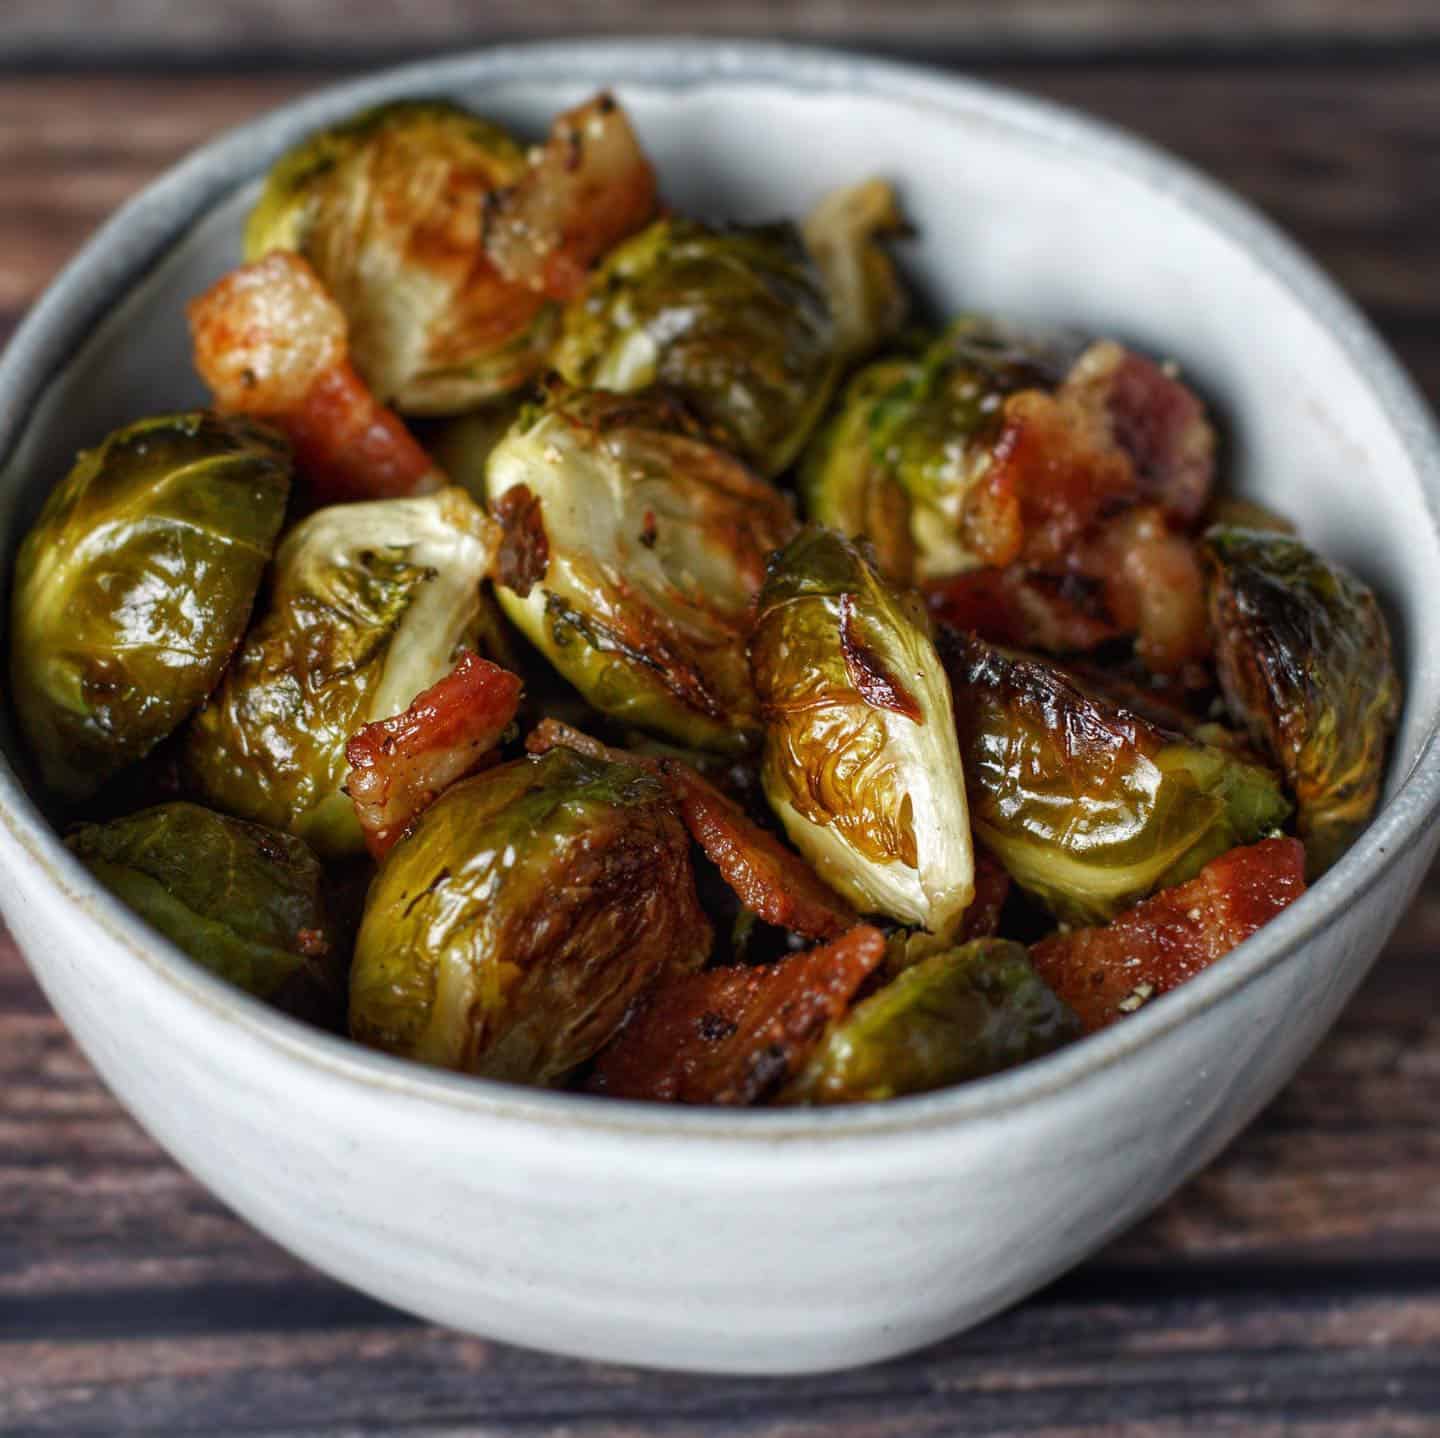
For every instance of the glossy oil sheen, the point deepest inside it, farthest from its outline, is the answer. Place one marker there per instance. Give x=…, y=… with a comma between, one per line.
x=783, y=1241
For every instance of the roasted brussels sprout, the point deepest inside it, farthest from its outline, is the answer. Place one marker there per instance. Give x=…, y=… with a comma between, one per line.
x=734, y=321
x=243, y=901
x=843, y=234
x=631, y=556
x=135, y=585
x=370, y=604
x=956, y=1015
x=508, y=933
x=861, y=763
x=906, y=461
x=1108, y=972
x=1304, y=658
x=390, y=208
x=1089, y=806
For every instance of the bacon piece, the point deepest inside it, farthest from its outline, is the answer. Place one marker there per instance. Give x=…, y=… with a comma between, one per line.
x=271, y=342
x=1104, y=973
x=735, y=1035
x=399, y=765
x=772, y=881
x=1156, y=419
x=1053, y=471
x=1154, y=587
x=1132, y=574
x=992, y=888
x=1026, y=609
x=589, y=188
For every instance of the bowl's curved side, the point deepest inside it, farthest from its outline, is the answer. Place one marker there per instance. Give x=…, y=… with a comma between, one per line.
x=729, y=1256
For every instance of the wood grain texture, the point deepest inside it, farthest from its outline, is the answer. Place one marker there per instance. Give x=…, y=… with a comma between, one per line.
x=1292, y=1289
x=288, y=31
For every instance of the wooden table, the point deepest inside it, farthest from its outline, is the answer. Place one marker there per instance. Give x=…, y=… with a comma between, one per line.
x=1293, y=1288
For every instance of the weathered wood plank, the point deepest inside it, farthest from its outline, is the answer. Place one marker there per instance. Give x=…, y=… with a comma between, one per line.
x=325, y=29
x=1073, y=1363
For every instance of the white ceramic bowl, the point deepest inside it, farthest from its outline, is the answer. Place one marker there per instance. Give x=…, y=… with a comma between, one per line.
x=772, y=1241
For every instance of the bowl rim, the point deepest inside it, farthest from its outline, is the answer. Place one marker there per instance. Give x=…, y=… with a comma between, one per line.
x=120, y=254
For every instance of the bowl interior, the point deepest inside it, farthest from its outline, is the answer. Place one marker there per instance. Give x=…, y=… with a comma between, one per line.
x=1020, y=210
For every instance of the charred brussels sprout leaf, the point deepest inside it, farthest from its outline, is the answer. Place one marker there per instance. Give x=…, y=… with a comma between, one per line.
x=904, y=461
x=1304, y=659
x=243, y=901
x=631, y=556
x=1089, y=806
x=861, y=763
x=371, y=603
x=957, y=1015
x=389, y=208
x=135, y=586
x=508, y=934
x=734, y=321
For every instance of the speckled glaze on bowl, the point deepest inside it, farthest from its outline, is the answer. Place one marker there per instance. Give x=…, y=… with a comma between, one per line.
x=774, y=1242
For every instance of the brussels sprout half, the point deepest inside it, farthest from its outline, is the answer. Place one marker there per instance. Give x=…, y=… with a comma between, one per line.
x=1089, y=806
x=389, y=208
x=1304, y=658
x=135, y=585
x=861, y=763
x=734, y=321
x=371, y=602
x=904, y=460
x=241, y=900
x=631, y=556
x=507, y=935
x=957, y=1015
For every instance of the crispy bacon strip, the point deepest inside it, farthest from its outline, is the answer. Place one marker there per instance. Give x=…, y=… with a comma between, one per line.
x=589, y=188
x=735, y=1035
x=774, y=882
x=399, y=765
x=1104, y=973
x=270, y=342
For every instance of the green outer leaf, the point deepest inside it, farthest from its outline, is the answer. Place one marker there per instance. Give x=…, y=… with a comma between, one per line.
x=370, y=604
x=509, y=933
x=234, y=896
x=648, y=620
x=735, y=321
x=135, y=585
x=957, y=1015
x=872, y=794
x=1304, y=658
x=1089, y=806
